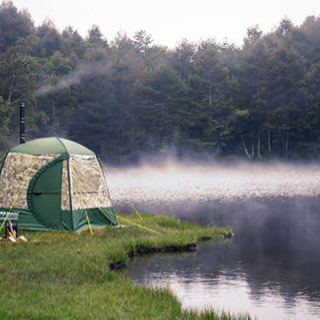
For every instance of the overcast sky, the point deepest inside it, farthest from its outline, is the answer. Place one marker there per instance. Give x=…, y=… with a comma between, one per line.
x=168, y=21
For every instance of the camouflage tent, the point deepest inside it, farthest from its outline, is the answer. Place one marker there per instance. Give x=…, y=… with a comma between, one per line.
x=55, y=183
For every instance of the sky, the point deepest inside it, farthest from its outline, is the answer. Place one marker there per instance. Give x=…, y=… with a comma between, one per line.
x=169, y=21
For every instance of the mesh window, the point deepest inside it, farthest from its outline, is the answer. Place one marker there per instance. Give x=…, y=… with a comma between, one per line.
x=16, y=174
x=89, y=189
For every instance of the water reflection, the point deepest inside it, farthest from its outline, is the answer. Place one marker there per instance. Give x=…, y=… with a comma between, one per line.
x=270, y=269
x=237, y=276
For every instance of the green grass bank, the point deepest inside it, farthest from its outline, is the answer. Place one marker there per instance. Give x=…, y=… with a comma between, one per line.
x=66, y=275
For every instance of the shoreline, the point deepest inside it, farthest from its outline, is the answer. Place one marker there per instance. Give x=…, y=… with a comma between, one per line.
x=37, y=278
x=190, y=247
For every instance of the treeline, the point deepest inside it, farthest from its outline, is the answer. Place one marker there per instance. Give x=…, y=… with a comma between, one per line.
x=129, y=98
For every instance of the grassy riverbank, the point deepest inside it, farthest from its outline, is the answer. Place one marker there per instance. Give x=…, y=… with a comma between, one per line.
x=64, y=275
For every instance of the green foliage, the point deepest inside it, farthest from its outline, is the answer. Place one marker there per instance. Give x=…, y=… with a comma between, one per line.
x=128, y=98
x=14, y=24
x=6, y=115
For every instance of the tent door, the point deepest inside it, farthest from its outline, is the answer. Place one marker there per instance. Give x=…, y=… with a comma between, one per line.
x=46, y=196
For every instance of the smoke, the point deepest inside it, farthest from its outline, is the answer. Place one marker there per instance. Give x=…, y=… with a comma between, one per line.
x=82, y=71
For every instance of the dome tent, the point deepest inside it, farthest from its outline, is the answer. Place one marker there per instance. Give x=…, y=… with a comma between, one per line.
x=55, y=183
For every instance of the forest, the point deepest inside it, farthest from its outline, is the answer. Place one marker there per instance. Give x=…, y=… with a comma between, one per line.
x=127, y=98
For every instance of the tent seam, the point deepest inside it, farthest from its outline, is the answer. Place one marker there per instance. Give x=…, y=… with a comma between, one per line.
x=70, y=194
x=65, y=148
x=3, y=161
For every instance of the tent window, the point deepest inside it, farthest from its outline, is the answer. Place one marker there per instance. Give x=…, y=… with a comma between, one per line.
x=88, y=186
x=14, y=182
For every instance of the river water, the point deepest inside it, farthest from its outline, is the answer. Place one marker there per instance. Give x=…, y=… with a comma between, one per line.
x=271, y=268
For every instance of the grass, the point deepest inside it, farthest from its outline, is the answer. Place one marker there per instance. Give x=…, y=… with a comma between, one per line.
x=65, y=275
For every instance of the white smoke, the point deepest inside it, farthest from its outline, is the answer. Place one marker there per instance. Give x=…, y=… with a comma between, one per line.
x=82, y=71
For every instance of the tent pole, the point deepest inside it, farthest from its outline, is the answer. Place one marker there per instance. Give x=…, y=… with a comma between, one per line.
x=70, y=197
x=2, y=162
x=22, y=123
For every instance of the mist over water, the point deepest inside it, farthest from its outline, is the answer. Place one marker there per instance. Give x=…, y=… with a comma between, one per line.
x=271, y=267
x=155, y=187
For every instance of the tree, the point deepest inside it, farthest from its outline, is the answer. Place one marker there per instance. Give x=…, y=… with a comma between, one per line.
x=253, y=85
x=6, y=125
x=73, y=42
x=142, y=41
x=49, y=39
x=18, y=74
x=95, y=38
x=14, y=24
x=183, y=58
x=161, y=111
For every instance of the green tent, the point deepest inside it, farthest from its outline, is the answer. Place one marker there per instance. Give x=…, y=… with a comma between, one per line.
x=54, y=183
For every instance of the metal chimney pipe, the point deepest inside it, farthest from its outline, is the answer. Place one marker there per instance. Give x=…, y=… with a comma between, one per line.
x=22, y=123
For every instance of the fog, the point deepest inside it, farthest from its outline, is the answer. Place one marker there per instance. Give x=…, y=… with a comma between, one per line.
x=159, y=187
x=267, y=205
